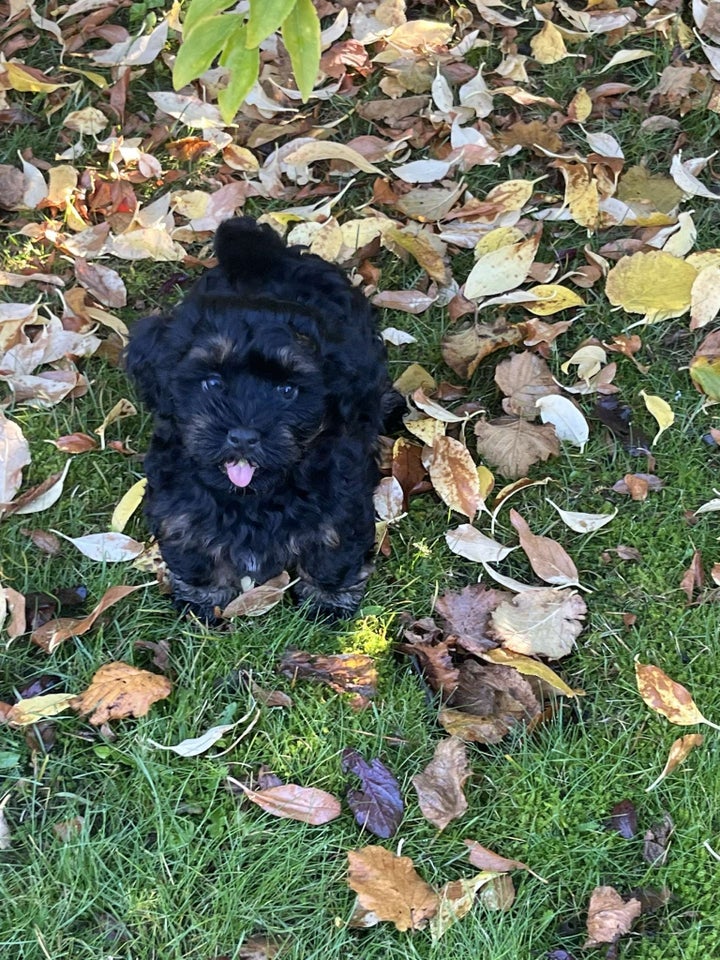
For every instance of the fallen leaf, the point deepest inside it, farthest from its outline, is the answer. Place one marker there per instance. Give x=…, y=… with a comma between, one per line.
x=583, y=522
x=128, y=504
x=456, y=900
x=501, y=270
x=656, y=284
x=547, y=558
x=389, y=499
x=496, y=697
x=425, y=641
x=53, y=632
x=258, y=600
x=293, y=802
x=512, y=445
x=75, y=443
x=679, y=751
x=485, y=859
x=524, y=378
x=344, y=672
x=609, y=916
x=661, y=411
x=464, y=351
x=466, y=615
x=623, y=819
x=34, y=709
x=195, y=746
x=568, y=422
x=440, y=785
x=390, y=888
x=466, y=541
x=656, y=846
x=667, y=697
x=118, y=690
x=378, y=806
x=693, y=577
x=454, y=475
x=106, y=547
x=530, y=667
x=542, y=622
x=14, y=456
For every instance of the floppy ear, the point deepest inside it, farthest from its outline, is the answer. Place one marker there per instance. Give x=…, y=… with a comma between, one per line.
x=148, y=362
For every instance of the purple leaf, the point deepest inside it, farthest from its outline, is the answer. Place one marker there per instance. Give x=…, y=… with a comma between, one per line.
x=378, y=806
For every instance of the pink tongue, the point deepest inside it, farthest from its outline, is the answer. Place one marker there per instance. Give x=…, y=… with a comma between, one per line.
x=240, y=473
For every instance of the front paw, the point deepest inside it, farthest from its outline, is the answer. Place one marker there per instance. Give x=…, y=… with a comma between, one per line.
x=326, y=604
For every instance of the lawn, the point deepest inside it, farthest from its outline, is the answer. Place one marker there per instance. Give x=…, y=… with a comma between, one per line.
x=113, y=847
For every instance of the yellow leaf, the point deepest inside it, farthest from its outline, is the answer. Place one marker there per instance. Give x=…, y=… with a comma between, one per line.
x=580, y=106
x=511, y=195
x=678, y=753
x=530, y=667
x=454, y=476
x=501, y=270
x=661, y=411
x=25, y=81
x=588, y=359
x=127, y=506
x=551, y=298
x=548, y=46
x=705, y=297
x=34, y=709
x=667, y=697
x=581, y=193
x=486, y=480
x=497, y=238
x=655, y=283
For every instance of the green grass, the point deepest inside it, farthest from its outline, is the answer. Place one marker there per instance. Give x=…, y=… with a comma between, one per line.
x=168, y=863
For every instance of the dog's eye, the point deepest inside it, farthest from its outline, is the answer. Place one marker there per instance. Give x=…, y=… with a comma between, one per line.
x=213, y=382
x=287, y=391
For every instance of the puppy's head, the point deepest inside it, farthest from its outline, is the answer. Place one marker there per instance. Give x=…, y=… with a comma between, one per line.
x=243, y=384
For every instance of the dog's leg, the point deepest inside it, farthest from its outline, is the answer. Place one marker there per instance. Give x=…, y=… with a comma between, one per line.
x=332, y=579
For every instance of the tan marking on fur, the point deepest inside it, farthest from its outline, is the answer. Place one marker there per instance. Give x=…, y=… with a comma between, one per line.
x=215, y=352
x=297, y=362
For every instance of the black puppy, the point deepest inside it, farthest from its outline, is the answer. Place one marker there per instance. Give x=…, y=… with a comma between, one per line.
x=269, y=387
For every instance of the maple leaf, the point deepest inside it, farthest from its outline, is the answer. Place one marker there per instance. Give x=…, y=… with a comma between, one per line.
x=390, y=888
x=118, y=690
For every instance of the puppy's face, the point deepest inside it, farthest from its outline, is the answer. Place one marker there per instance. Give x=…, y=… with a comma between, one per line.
x=247, y=403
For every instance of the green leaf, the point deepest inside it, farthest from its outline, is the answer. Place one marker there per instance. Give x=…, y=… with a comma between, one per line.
x=301, y=36
x=265, y=18
x=200, y=45
x=200, y=9
x=244, y=67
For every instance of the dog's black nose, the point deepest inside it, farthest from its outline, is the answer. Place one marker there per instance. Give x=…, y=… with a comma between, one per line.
x=243, y=437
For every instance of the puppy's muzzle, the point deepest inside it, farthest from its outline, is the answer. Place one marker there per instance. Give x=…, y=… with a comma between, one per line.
x=243, y=440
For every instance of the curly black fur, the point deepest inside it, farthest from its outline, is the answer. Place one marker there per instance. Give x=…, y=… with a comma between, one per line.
x=269, y=389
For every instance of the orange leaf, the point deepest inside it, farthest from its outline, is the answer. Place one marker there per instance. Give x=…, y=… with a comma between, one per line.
x=118, y=690
x=667, y=697
x=678, y=754
x=50, y=635
x=390, y=888
x=547, y=558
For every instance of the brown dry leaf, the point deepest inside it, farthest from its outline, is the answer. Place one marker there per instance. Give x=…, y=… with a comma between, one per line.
x=440, y=785
x=354, y=673
x=543, y=622
x=75, y=443
x=389, y=499
x=40, y=497
x=463, y=351
x=609, y=916
x=50, y=635
x=679, y=751
x=513, y=445
x=104, y=283
x=547, y=558
x=638, y=485
x=667, y=697
x=123, y=408
x=524, y=378
x=497, y=695
x=14, y=602
x=466, y=541
x=425, y=641
x=257, y=601
x=485, y=859
x=14, y=456
x=454, y=475
x=466, y=615
x=292, y=802
x=390, y=888
x=425, y=247
x=118, y=690
x=694, y=577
